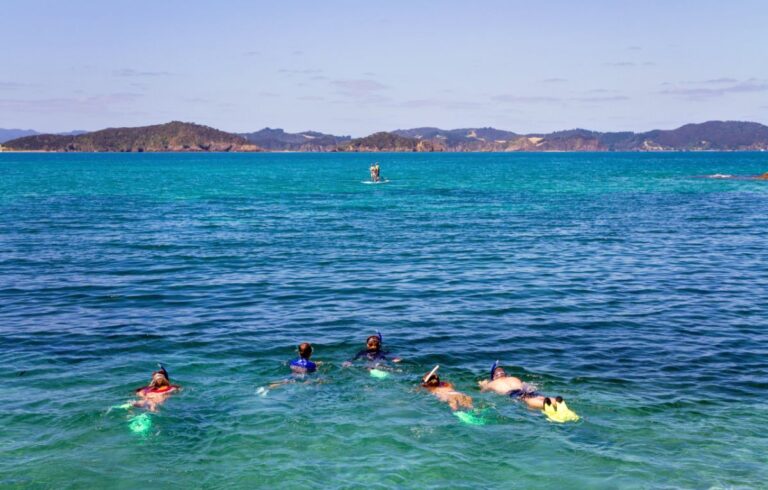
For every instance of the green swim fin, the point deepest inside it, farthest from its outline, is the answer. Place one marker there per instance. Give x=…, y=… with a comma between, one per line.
x=379, y=374
x=470, y=418
x=140, y=424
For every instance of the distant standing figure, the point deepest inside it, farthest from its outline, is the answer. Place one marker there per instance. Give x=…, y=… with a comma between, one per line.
x=375, y=172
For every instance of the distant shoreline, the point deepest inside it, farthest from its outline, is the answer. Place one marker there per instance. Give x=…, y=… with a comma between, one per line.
x=185, y=137
x=294, y=152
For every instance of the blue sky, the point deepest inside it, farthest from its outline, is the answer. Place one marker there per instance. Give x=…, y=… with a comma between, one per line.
x=355, y=67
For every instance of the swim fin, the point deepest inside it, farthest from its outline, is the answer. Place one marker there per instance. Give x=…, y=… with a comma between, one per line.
x=140, y=424
x=560, y=413
x=470, y=418
x=379, y=374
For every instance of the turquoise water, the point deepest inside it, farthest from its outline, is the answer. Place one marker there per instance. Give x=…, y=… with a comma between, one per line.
x=624, y=282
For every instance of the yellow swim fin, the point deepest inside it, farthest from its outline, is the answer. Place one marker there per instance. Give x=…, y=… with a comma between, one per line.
x=560, y=414
x=569, y=414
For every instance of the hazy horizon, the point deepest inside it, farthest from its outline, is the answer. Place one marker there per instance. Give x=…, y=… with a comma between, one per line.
x=346, y=68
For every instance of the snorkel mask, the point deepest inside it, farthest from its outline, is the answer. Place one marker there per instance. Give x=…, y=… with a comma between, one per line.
x=493, y=368
x=426, y=379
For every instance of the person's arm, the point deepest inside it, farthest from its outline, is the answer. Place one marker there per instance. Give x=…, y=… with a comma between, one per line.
x=357, y=356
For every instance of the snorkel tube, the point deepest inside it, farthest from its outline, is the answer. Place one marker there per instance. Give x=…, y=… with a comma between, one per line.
x=429, y=375
x=493, y=368
x=163, y=371
x=381, y=339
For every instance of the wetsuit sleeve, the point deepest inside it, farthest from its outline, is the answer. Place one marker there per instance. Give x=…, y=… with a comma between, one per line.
x=360, y=354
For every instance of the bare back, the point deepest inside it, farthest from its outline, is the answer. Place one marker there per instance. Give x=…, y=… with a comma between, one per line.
x=502, y=386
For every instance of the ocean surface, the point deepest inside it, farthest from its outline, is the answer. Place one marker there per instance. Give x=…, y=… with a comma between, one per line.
x=630, y=284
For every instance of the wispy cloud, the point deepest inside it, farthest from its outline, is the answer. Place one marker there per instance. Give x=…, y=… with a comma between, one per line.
x=553, y=80
x=252, y=53
x=525, y=99
x=131, y=73
x=713, y=81
x=441, y=104
x=601, y=91
x=312, y=98
x=634, y=48
x=79, y=105
x=359, y=86
x=719, y=81
x=12, y=85
x=628, y=64
x=361, y=90
x=748, y=86
x=606, y=98
x=306, y=71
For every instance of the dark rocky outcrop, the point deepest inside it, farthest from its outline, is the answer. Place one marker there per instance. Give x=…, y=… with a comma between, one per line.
x=173, y=136
x=384, y=141
x=279, y=140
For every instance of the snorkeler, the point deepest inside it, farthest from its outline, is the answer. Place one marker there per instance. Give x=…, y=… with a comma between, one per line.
x=554, y=408
x=303, y=365
x=299, y=366
x=372, y=351
x=503, y=384
x=157, y=391
x=445, y=391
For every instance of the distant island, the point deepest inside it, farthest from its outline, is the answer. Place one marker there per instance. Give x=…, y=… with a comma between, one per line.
x=188, y=137
x=171, y=137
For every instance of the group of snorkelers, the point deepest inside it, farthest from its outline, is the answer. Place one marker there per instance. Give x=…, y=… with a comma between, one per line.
x=375, y=172
x=499, y=382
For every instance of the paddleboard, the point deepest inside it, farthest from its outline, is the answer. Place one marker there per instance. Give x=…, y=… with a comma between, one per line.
x=372, y=182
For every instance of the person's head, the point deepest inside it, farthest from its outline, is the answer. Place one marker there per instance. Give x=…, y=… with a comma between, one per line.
x=373, y=342
x=498, y=372
x=431, y=379
x=305, y=350
x=160, y=379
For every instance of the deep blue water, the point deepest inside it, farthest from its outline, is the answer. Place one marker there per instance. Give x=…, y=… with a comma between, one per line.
x=627, y=283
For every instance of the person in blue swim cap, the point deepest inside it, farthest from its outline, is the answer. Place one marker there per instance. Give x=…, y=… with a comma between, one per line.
x=303, y=365
x=504, y=384
x=299, y=366
x=373, y=351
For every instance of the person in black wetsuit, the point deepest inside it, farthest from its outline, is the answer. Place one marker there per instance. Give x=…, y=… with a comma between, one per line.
x=373, y=352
